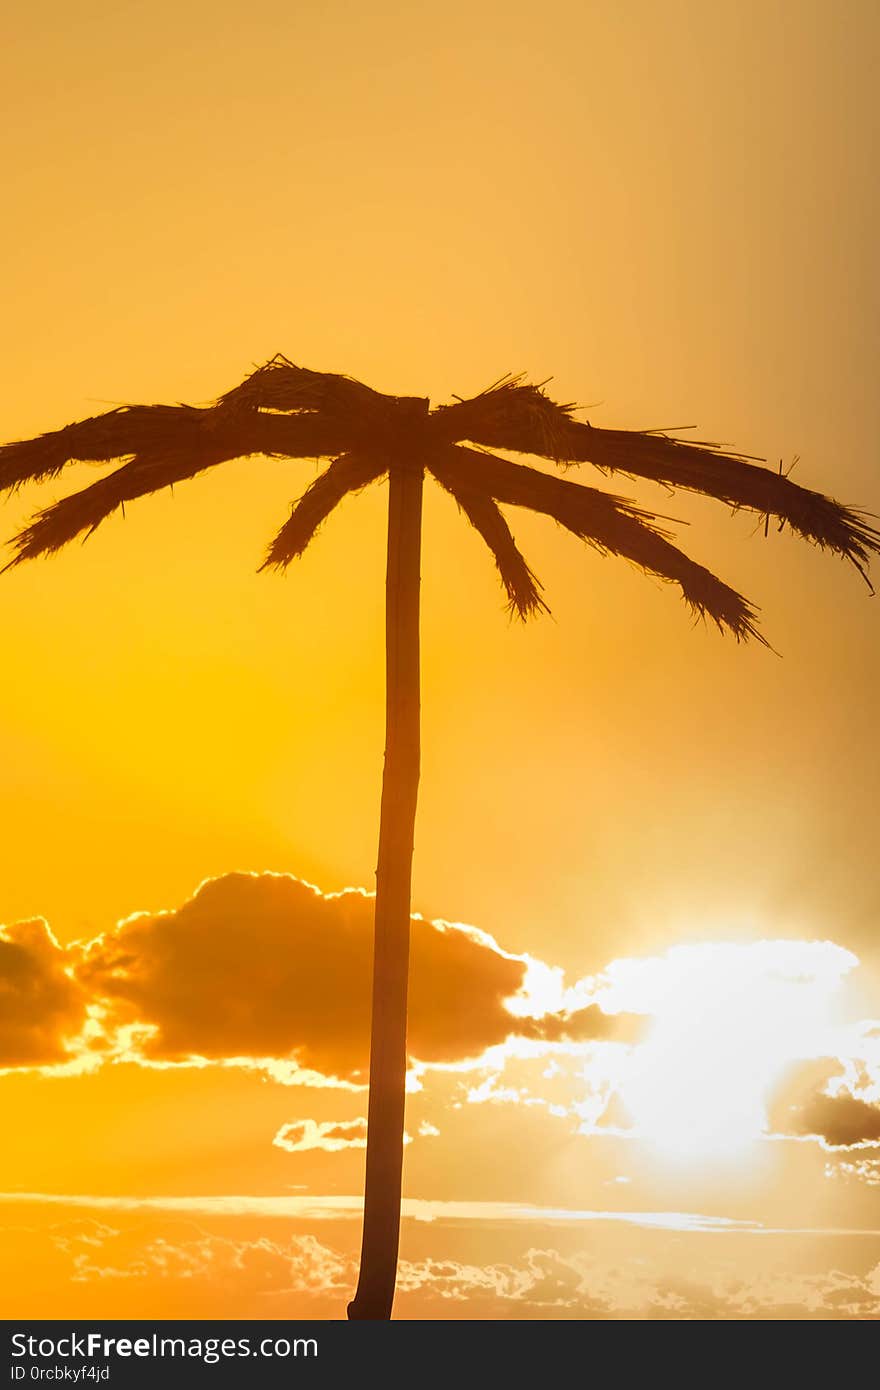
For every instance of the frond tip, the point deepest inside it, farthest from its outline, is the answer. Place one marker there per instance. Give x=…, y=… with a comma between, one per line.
x=348, y=473
x=609, y=524
x=520, y=417
x=522, y=587
x=83, y=511
x=733, y=479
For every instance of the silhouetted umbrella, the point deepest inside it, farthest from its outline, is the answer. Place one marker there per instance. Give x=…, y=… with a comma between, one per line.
x=289, y=412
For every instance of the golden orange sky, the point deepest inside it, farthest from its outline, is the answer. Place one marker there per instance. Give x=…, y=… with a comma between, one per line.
x=671, y=209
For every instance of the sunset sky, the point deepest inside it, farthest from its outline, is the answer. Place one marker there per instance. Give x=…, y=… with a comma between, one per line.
x=646, y=971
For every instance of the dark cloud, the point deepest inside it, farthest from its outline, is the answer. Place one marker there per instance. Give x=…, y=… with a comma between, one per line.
x=583, y=1025
x=265, y=966
x=333, y=1136
x=346, y=1130
x=841, y=1121
x=815, y=1103
x=41, y=1007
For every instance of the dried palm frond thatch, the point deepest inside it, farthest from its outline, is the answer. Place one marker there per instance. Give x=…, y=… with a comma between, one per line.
x=285, y=411
x=347, y=474
x=177, y=432
x=734, y=479
x=55, y=526
x=524, y=420
x=174, y=455
x=115, y=434
x=279, y=385
x=522, y=587
x=609, y=524
x=513, y=407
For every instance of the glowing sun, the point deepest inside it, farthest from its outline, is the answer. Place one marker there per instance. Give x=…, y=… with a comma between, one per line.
x=727, y=1021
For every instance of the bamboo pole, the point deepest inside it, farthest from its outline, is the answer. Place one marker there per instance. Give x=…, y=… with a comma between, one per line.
x=400, y=781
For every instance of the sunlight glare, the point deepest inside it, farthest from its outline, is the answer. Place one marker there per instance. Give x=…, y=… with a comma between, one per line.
x=727, y=1021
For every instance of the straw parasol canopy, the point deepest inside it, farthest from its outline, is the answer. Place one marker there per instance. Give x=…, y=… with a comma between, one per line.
x=285, y=411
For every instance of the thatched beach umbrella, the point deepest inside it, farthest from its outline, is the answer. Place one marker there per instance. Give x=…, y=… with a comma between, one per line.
x=288, y=412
